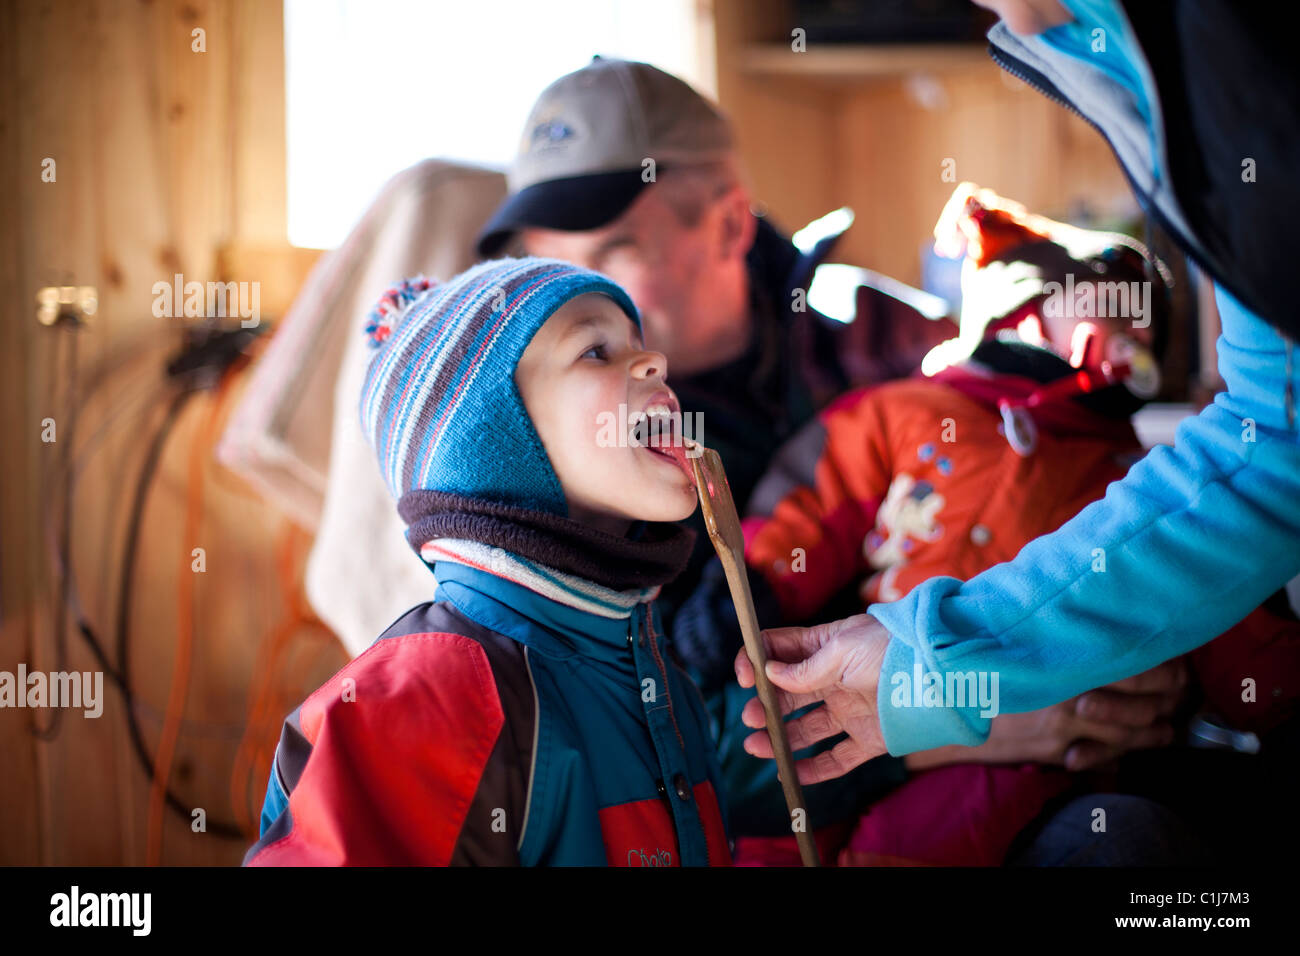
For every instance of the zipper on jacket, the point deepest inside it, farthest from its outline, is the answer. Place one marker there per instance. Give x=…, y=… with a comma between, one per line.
x=1028, y=75
x=1036, y=81
x=660, y=785
x=646, y=627
x=659, y=662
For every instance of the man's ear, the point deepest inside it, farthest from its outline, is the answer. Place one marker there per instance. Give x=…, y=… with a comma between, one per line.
x=736, y=224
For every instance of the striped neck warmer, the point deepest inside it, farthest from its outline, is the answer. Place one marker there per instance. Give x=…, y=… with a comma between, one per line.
x=556, y=557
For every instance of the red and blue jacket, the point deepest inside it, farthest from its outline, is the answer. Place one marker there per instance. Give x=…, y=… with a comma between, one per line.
x=517, y=720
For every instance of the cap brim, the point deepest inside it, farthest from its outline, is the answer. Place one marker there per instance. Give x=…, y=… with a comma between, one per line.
x=571, y=205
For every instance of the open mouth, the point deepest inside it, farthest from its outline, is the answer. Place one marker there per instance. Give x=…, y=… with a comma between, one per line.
x=659, y=431
x=674, y=455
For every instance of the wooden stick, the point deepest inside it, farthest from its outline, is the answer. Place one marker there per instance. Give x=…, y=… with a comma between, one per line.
x=723, y=523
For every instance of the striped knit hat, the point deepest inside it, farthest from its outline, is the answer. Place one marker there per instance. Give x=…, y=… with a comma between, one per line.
x=439, y=402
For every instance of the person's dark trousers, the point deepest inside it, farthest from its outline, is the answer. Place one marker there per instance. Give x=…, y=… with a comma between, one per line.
x=1178, y=806
x=1137, y=832
x=1241, y=805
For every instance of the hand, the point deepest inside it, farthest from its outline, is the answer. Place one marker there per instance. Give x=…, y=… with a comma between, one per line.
x=1027, y=17
x=1081, y=733
x=1130, y=714
x=838, y=663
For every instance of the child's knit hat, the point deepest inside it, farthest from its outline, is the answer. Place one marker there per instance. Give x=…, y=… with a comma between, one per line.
x=1011, y=256
x=439, y=402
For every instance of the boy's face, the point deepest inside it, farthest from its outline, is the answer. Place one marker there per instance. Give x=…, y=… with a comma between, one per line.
x=580, y=367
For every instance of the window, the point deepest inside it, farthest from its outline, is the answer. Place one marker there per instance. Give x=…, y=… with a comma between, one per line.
x=376, y=85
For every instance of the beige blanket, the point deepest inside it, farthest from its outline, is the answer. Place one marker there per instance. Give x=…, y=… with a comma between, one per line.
x=296, y=434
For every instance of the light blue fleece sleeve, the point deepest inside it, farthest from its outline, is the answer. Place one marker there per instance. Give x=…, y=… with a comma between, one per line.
x=1188, y=543
x=274, y=804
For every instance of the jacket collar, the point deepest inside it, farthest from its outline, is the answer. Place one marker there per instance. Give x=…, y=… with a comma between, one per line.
x=1068, y=418
x=789, y=382
x=1117, y=102
x=554, y=613
x=780, y=267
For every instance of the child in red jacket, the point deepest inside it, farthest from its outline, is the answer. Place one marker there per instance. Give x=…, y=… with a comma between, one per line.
x=1024, y=421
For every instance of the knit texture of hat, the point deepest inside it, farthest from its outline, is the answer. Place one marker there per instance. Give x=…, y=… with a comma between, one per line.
x=439, y=403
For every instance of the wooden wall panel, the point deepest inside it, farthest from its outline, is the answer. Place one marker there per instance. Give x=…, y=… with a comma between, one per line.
x=784, y=135
x=894, y=152
x=19, y=801
x=167, y=158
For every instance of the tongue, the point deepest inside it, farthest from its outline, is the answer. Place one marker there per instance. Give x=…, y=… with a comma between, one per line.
x=679, y=455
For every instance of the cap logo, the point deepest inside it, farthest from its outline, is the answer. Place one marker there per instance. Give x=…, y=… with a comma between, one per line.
x=550, y=134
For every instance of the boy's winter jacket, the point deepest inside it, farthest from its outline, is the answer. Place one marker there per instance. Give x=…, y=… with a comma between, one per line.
x=525, y=717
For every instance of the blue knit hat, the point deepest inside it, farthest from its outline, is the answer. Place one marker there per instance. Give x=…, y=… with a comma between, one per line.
x=439, y=402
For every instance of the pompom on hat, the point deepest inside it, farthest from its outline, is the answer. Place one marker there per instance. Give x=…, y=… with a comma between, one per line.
x=394, y=303
x=439, y=403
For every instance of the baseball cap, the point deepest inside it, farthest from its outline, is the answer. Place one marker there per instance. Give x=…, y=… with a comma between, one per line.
x=582, y=155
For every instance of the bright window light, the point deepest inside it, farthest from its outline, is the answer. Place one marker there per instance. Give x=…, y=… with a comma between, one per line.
x=374, y=86
x=806, y=239
x=834, y=292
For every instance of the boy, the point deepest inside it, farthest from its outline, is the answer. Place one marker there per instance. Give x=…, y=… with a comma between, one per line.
x=530, y=715
x=948, y=475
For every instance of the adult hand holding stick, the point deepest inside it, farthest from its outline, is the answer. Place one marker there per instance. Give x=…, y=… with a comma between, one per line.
x=837, y=663
x=723, y=524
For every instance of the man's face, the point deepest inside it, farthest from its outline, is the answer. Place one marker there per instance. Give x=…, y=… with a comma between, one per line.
x=664, y=266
